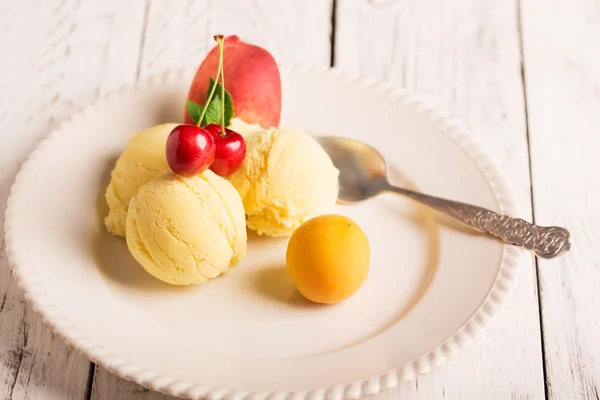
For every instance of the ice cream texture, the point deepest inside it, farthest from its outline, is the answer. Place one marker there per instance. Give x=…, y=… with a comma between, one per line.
x=141, y=161
x=186, y=230
x=285, y=179
x=243, y=128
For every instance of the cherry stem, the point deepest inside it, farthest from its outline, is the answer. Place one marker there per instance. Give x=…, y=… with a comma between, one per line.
x=219, y=40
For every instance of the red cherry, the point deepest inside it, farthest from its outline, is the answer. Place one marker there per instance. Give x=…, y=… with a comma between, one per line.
x=190, y=150
x=230, y=150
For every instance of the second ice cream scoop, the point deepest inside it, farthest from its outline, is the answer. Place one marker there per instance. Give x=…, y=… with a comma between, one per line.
x=285, y=179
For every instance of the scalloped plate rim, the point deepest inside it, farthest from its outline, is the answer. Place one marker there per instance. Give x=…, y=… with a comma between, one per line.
x=498, y=295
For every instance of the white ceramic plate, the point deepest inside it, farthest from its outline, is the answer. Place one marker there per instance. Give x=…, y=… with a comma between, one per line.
x=431, y=288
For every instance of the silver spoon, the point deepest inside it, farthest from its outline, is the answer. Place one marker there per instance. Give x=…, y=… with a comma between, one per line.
x=363, y=175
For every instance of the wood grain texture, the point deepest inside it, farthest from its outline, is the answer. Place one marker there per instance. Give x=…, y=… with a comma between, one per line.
x=61, y=55
x=179, y=34
x=562, y=74
x=110, y=387
x=465, y=57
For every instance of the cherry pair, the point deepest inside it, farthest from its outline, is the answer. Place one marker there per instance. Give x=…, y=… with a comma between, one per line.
x=192, y=149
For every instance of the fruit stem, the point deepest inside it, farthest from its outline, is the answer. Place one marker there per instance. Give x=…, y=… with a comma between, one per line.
x=219, y=39
x=220, y=42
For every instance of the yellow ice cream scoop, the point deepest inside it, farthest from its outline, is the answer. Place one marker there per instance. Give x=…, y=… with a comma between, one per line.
x=142, y=159
x=186, y=230
x=285, y=179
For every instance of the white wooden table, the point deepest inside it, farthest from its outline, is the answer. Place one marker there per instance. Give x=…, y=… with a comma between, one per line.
x=524, y=76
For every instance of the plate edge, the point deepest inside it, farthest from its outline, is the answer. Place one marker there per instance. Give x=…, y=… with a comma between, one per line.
x=499, y=294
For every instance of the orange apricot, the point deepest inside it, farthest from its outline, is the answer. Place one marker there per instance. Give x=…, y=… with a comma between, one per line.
x=328, y=258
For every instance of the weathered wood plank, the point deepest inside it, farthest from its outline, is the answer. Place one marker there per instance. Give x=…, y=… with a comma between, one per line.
x=464, y=56
x=562, y=75
x=180, y=34
x=60, y=55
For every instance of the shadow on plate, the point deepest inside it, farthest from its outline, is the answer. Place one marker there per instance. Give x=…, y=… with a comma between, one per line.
x=399, y=179
x=424, y=218
x=274, y=283
x=116, y=262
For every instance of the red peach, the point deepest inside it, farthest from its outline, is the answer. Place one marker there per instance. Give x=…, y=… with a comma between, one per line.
x=251, y=77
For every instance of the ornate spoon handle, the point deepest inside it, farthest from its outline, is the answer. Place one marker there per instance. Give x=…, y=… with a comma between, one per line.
x=545, y=241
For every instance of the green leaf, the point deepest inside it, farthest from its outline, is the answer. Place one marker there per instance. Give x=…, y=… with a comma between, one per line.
x=212, y=115
x=194, y=110
x=216, y=101
x=213, y=112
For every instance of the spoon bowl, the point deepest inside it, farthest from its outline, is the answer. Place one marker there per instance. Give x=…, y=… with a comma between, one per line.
x=363, y=170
